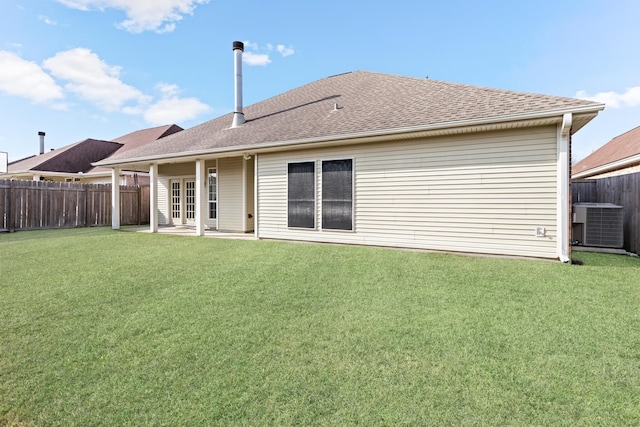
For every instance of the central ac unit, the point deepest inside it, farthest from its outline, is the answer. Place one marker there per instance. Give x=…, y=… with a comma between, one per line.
x=598, y=224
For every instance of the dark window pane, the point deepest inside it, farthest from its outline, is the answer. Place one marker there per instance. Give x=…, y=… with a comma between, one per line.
x=337, y=194
x=301, y=195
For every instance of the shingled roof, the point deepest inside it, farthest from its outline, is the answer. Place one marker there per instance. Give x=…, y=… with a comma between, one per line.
x=79, y=156
x=624, y=146
x=72, y=158
x=140, y=137
x=352, y=103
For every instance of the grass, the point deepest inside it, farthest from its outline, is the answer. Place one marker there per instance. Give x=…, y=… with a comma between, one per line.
x=99, y=327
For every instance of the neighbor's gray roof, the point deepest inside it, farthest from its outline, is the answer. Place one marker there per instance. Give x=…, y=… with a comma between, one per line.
x=367, y=102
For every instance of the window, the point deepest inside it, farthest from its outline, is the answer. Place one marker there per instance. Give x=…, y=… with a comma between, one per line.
x=301, y=195
x=213, y=193
x=337, y=194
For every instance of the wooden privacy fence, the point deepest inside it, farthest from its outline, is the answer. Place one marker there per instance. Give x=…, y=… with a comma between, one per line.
x=32, y=205
x=622, y=190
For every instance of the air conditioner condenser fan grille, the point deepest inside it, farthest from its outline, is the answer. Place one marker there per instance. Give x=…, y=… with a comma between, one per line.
x=604, y=227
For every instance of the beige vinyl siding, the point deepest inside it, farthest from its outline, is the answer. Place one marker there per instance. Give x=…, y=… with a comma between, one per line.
x=164, y=217
x=249, y=193
x=230, y=194
x=178, y=169
x=481, y=193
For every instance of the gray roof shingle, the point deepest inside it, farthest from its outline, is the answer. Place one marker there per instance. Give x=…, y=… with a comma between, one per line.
x=367, y=102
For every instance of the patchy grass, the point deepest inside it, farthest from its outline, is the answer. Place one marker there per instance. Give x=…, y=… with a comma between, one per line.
x=99, y=327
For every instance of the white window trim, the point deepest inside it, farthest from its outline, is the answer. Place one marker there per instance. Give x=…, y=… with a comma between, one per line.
x=217, y=194
x=183, y=202
x=315, y=194
x=353, y=195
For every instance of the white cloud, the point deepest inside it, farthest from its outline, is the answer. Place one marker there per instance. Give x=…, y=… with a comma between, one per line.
x=168, y=89
x=285, y=51
x=142, y=15
x=172, y=109
x=630, y=97
x=251, y=58
x=93, y=79
x=60, y=107
x=20, y=77
x=46, y=20
x=249, y=45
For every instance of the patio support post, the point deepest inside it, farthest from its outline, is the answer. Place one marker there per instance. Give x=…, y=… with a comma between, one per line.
x=115, y=198
x=256, y=214
x=244, y=194
x=200, y=196
x=562, y=213
x=153, y=197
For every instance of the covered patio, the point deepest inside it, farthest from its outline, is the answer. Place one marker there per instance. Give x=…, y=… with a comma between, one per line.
x=186, y=230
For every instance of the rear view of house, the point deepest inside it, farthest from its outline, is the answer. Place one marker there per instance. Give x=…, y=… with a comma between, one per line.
x=376, y=159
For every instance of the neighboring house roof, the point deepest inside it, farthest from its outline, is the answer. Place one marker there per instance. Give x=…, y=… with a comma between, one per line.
x=140, y=137
x=621, y=152
x=353, y=104
x=73, y=158
x=78, y=157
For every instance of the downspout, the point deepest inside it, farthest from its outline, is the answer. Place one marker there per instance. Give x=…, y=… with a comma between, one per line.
x=256, y=210
x=562, y=213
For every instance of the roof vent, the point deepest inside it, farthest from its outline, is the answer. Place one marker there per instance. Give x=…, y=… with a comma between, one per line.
x=238, y=115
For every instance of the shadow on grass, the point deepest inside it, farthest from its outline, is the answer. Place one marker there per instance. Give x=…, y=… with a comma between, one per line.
x=25, y=235
x=592, y=259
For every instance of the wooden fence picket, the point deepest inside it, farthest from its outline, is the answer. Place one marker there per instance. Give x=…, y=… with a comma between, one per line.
x=31, y=205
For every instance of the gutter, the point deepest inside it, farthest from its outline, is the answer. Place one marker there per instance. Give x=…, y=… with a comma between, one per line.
x=406, y=132
x=619, y=164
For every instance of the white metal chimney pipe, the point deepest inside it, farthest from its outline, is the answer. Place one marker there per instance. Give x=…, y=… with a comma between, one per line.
x=238, y=115
x=41, y=135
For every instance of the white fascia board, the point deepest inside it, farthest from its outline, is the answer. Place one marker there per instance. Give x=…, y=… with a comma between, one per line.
x=629, y=161
x=463, y=126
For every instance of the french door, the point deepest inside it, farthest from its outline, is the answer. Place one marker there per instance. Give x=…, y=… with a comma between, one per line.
x=190, y=201
x=183, y=201
x=176, y=201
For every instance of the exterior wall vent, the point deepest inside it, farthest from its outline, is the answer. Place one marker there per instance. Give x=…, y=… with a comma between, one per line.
x=598, y=224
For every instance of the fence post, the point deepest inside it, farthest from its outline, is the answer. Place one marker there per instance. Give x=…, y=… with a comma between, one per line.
x=139, y=204
x=86, y=204
x=11, y=224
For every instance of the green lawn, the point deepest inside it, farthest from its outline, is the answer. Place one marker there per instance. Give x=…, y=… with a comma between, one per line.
x=99, y=327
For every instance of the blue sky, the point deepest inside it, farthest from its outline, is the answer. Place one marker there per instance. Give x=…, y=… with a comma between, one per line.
x=99, y=69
